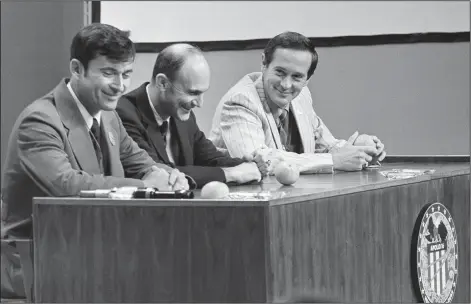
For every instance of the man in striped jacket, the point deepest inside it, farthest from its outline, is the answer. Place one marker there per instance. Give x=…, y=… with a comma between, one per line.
x=270, y=115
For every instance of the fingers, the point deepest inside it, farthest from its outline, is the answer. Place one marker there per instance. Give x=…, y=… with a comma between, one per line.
x=377, y=141
x=368, y=150
x=363, y=163
x=263, y=166
x=380, y=146
x=382, y=155
x=177, y=180
x=183, y=185
x=258, y=176
x=254, y=172
x=367, y=158
x=174, y=175
x=352, y=138
x=261, y=162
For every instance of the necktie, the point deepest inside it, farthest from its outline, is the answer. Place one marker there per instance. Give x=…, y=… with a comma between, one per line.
x=283, y=127
x=95, y=129
x=96, y=140
x=163, y=130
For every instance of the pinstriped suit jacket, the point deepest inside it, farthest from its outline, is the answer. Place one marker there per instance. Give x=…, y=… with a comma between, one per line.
x=244, y=123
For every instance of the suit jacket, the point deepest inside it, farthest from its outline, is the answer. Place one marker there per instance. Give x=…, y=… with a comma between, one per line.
x=243, y=123
x=199, y=158
x=50, y=153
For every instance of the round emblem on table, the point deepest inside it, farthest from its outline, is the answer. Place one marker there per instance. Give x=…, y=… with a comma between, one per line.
x=437, y=255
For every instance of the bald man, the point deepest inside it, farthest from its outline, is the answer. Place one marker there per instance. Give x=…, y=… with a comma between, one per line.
x=158, y=116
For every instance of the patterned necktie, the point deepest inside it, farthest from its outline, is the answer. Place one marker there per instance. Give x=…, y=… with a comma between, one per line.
x=283, y=127
x=95, y=129
x=96, y=140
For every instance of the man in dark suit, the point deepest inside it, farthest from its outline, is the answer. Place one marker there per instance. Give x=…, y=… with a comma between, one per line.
x=158, y=116
x=72, y=139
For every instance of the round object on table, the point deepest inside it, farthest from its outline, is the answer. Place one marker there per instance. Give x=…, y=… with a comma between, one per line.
x=286, y=174
x=214, y=190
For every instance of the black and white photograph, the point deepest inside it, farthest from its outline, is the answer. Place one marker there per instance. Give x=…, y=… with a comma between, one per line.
x=235, y=151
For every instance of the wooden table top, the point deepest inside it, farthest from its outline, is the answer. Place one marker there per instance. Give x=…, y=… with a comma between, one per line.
x=307, y=188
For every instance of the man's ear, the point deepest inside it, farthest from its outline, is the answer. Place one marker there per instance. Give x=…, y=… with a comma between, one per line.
x=76, y=68
x=161, y=81
x=263, y=67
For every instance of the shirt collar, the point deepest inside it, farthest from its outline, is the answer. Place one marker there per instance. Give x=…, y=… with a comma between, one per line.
x=86, y=116
x=159, y=119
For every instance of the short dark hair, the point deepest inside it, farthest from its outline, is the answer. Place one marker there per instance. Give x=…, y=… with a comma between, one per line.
x=171, y=59
x=101, y=39
x=291, y=40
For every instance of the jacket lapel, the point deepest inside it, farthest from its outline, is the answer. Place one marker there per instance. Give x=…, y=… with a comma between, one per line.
x=148, y=119
x=78, y=133
x=266, y=109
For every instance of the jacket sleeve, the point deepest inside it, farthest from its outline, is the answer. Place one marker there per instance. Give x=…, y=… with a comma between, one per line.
x=241, y=126
x=208, y=160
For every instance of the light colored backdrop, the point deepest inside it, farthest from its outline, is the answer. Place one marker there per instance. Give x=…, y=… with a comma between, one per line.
x=168, y=21
x=415, y=97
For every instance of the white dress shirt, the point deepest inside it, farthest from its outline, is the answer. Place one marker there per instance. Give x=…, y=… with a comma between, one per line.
x=160, y=121
x=85, y=114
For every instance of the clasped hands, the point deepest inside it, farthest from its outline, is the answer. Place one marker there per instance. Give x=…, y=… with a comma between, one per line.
x=358, y=151
x=257, y=165
x=266, y=159
x=354, y=155
x=165, y=180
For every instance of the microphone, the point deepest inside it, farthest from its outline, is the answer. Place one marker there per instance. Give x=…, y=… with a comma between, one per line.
x=155, y=193
x=137, y=193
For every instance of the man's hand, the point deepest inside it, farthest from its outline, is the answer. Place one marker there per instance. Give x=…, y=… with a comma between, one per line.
x=243, y=173
x=352, y=158
x=177, y=180
x=164, y=181
x=266, y=160
x=372, y=141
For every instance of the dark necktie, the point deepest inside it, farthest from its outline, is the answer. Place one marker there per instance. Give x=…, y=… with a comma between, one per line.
x=163, y=130
x=96, y=139
x=283, y=127
x=95, y=129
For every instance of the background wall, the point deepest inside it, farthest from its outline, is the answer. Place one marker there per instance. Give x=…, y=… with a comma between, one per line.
x=35, y=41
x=236, y=20
x=415, y=97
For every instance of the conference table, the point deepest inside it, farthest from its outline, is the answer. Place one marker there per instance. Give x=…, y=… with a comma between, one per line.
x=343, y=237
